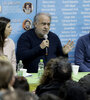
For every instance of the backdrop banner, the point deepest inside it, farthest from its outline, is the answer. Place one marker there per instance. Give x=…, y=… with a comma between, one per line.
x=70, y=18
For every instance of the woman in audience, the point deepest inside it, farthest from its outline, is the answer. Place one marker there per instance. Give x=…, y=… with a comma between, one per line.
x=6, y=76
x=61, y=72
x=47, y=75
x=48, y=72
x=21, y=83
x=7, y=46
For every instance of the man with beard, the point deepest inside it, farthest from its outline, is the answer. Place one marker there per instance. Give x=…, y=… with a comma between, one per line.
x=40, y=43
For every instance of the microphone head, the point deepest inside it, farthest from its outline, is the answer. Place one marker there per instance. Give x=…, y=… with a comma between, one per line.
x=46, y=36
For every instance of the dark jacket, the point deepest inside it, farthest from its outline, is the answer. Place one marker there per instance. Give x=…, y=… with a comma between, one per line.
x=52, y=88
x=29, y=51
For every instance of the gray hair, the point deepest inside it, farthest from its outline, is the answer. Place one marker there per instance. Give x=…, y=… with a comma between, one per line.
x=36, y=18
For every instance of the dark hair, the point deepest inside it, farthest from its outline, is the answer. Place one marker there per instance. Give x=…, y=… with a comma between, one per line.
x=21, y=83
x=48, y=72
x=85, y=83
x=72, y=90
x=3, y=22
x=62, y=69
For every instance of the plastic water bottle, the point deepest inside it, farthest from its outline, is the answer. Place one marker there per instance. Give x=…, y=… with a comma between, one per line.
x=40, y=68
x=19, y=66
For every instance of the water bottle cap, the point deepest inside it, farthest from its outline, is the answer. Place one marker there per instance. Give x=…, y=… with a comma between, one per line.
x=41, y=60
x=20, y=61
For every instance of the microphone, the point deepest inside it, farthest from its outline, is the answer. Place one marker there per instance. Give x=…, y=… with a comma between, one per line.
x=46, y=37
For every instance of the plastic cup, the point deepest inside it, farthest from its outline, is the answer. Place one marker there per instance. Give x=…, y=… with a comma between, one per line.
x=75, y=69
x=24, y=71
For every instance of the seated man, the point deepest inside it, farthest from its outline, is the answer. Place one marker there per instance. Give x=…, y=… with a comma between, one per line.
x=40, y=43
x=82, y=53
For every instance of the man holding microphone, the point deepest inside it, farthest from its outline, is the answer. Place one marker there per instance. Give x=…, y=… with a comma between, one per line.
x=40, y=43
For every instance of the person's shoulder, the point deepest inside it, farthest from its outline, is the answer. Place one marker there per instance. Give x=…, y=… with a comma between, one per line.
x=84, y=37
x=26, y=34
x=9, y=40
x=53, y=34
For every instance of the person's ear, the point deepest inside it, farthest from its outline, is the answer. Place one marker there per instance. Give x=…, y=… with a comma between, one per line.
x=35, y=24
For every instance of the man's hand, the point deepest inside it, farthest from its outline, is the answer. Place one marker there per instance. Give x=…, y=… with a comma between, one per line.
x=68, y=47
x=44, y=44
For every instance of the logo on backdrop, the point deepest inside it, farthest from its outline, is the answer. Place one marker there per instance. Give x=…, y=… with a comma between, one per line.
x=27, y=24
x=27, y=7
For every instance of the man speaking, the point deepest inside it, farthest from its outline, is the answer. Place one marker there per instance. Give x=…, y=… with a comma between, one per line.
x=33, y=45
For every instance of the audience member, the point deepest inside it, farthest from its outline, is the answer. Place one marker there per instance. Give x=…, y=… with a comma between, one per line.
x=7, y=46
x=33, y=45
x=48, y=72
x=85, y=83
x=61, y=71
x=72, y=90
x=21, y=83
x=6, y=76
x=19, y=95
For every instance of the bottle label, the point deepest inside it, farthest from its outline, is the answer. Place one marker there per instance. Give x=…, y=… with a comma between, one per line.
x=40, y=68
x=40, y=72
x=19, y=73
